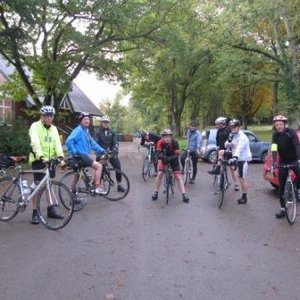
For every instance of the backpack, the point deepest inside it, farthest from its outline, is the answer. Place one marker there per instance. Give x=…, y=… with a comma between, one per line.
x=6, y=161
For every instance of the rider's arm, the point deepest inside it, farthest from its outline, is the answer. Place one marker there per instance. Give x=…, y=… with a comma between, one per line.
x=96, y=147
x=35, y=141
x=58, y=148
x=71, y=141
x=274, y=148
x=198, y=140
x=115, y=141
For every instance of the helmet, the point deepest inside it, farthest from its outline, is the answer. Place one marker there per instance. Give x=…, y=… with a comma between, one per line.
x=220, y=120
x=83, y=115
x=105, y=119
x=166, y=131
x=234, y=122
x=47, y=110
x=280, y=118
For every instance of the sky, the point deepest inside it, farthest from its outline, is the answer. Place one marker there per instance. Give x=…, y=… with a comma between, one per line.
x=97, y=90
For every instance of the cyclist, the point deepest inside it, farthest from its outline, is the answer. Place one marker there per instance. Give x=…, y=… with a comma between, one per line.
x=168, y=151
x=108, y=140
x=80, y=142
x=193, y=144
x=147, y=137
x=241, y=156
x=223, y=134
x=285, y=142
x=45, y=144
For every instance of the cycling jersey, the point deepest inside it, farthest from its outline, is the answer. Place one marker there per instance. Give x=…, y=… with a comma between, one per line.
x=81, y=142
x=222, y=136
x=240, y=147
x=169, y=149
x=45, y=142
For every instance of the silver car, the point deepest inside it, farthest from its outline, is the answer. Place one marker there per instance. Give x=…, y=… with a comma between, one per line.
x=208, y=146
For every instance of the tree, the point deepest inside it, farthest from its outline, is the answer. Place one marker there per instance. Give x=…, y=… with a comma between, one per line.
x=50, y=41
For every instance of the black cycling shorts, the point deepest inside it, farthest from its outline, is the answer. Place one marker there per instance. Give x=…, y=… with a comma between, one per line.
x=242, y=169
x=86, y=161
x=39, y=165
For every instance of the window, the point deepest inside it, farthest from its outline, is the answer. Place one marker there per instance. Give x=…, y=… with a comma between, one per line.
x=5, y=111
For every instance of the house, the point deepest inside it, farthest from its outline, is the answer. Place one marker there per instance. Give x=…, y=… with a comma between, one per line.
x=73, y=104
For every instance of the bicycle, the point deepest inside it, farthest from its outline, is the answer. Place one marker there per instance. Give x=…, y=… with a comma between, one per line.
x=82, y=186
x=15, y=196
x=188, y=168
x=289, y=195
x=149, y=162
x=169, y=182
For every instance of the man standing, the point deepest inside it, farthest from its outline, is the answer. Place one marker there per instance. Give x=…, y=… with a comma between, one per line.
x=241, y=156
x=108, y=140
x=285, y=142
x=193, y=144
x=81, y=143
x=45, y=144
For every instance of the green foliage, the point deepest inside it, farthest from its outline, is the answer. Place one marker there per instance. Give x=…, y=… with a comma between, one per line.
x=15, y=139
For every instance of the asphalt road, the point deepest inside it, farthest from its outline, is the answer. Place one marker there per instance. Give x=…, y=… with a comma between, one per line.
x=137, y=249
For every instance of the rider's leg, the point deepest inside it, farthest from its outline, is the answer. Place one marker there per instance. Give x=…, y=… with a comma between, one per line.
x=234, y=175
x=283, y=173
x=242, y=170
x=217, y=169
x=195, y=164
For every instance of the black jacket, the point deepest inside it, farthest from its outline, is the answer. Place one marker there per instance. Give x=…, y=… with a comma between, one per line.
x=222, y=136
x=288, y=145
x=107, y=139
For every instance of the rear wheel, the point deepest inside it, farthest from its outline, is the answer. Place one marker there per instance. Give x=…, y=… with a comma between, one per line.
x=290, y=202
x=115, y=190
x=78, y=187
x=9, y=197
x=212, y=156
x=59, y=197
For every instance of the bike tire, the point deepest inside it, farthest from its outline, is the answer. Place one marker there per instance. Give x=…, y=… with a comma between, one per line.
x=10, y=194
x=111, y=185
x=81, y=193
x=62, y=200
x=146, y=169
x=221, y=193
x=290, y=202
x=186, y=171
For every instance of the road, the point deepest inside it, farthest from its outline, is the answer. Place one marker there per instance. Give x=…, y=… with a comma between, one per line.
x=137, y=249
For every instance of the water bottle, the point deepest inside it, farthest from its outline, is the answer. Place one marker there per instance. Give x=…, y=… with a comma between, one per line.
x=25, y=187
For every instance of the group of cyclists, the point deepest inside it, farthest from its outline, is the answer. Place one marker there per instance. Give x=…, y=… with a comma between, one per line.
x=46, y=144
x=232, y=145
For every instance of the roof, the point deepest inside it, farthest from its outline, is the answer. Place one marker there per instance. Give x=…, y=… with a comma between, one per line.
x=80, y=102
x=76, y=100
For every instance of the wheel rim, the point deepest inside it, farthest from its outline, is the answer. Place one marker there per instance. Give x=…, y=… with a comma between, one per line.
x=212, y=156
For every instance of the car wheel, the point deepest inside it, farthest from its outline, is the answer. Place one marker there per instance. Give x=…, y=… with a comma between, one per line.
x=212, y=156
x=263, y=156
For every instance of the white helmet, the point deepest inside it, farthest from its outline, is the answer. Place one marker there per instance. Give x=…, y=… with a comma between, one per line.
x=47, y=110
x=220, y=120
x=105, y=119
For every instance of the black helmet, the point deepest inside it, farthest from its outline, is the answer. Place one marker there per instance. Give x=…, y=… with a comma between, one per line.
x=234, y=123
x=83, y=115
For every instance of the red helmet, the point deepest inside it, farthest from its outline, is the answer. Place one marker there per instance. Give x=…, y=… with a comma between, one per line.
x=280, y=118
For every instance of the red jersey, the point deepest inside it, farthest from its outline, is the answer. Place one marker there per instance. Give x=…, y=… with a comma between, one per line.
x=169, y=149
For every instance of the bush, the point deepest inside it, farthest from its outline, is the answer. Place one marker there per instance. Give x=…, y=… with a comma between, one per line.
x=14, y=138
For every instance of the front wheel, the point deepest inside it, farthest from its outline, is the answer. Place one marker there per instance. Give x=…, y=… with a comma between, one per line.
x=9, y=197
x=188, y=170
x=78, y=187
x=57, y=197
x=221, y=190
x=116, y=183
x=290, y=202
x=146, y=173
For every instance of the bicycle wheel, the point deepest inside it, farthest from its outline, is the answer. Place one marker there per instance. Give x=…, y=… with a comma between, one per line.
x=146, y=169
x=186, y=171
x=110, y=184
x=60, y=197
x=9, y=197
x=290, y=202
x=221, y=190
x=80, y=192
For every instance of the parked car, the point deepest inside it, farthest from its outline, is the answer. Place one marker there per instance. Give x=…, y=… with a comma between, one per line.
x=208, y=150
x=273, y=178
